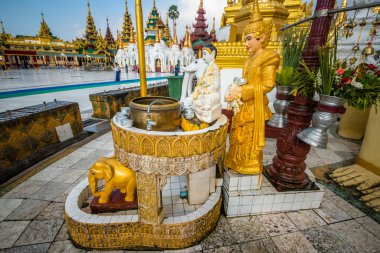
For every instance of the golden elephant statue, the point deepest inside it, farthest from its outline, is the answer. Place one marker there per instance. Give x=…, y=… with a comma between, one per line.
x=116, y=176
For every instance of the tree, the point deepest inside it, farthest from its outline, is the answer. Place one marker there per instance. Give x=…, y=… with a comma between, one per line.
x=173, y=13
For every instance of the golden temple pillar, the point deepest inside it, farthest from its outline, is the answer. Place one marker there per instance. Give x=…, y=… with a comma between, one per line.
x=141, y=48
x=148, y=192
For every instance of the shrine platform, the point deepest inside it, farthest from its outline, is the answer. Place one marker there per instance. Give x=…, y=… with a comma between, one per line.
x=32, y=208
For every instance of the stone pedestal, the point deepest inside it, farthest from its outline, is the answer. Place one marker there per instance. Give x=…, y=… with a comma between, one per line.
x=200, y=185
x=116, y=203
x=234, y=181
x=240, y=202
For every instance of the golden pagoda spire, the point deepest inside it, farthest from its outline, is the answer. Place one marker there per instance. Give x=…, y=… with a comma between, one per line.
x=44, y=29
x=213, y=25
x=132, y=38
x=158, y=39
x=175, y=33
x=167, y=35
x=186, y=39
x=201, y=5
x=154, y=3
x=127, y=25
x=2, y=27
x=189, y=39
x=91, y=32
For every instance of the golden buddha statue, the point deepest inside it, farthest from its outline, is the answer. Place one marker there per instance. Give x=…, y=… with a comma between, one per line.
x=247, y=136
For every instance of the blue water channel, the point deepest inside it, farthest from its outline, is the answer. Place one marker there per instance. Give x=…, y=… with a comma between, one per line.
x=42, y=90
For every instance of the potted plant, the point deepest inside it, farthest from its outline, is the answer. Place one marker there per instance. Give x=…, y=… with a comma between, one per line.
x=360, y=86
x=329, y=106
x=292, y=48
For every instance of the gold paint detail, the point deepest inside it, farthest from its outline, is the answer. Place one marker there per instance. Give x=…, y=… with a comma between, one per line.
x=165, y=166
x=148, y=198
x=168, y=146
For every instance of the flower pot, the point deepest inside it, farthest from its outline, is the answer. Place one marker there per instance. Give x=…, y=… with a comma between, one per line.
x=328, y=109
x=282, y=100
x=353, y=123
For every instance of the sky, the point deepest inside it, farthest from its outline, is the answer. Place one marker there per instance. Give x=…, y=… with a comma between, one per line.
x=67, y=18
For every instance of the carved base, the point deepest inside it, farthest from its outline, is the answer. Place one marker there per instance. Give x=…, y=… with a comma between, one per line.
x=273, y=132
x=115, y=204
x=281, y=185
x=288, y=169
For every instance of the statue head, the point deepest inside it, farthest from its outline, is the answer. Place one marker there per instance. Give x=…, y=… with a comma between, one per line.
x=257, y=29
x=209, y=53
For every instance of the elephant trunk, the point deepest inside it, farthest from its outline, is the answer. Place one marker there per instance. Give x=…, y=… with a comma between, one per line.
x=93, y=183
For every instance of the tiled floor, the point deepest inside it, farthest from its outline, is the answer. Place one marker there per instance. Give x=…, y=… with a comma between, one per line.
x=31, y=214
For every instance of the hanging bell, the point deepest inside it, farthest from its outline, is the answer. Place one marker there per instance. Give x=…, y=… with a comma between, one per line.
x=362, y=23
x=353, y=60
x=376, y=21
x=351, y=33
x=368, y=50
x=355, y=48
x=353, y=23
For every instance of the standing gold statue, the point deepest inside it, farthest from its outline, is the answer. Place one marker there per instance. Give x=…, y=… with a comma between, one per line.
x=247, y=137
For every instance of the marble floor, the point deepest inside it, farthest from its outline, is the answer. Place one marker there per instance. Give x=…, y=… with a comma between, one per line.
x=31, y=211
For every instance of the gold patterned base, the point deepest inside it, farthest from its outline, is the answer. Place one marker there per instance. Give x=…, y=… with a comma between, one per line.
x=112, y=232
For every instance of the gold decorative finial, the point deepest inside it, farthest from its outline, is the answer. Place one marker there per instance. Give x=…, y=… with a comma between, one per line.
x=256, y=14
x=186, y=40
x=132, y=38
x=175, y=34
x=201, y=5
x=154, y=3
x=107, y=21
x=257, y=26
x=2, y=27
x=88, y=5
x=213, y=24
x=158, y=39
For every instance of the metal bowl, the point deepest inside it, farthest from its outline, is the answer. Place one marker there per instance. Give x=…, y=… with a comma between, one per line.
x=164, y=111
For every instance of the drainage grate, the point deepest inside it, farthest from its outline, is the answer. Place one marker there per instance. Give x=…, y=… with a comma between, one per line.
x=89, y=122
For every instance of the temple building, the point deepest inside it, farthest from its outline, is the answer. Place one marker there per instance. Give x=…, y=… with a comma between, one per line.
x=162, y=52
x=44, y=49
x=200, y=36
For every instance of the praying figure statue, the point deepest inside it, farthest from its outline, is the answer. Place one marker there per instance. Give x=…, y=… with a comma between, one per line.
x=247, y=136
x=206, y=97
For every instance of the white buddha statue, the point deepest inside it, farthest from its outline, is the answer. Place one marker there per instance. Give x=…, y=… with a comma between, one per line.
x=206, y=96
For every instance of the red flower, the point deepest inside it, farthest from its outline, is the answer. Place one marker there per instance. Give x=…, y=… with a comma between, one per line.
x=340, y=71
x=378, y=72
x=346, y=80
x=371, y=67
